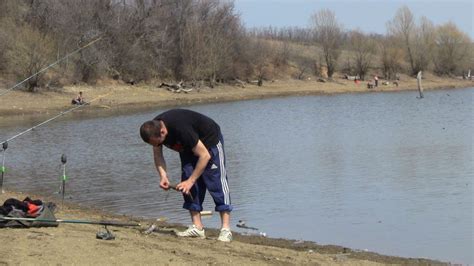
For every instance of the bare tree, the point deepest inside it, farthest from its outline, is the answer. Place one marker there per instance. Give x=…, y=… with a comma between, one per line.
x=220, y=29
x=403, y=27
x=364, y=49
x=453, y=49
x=327, y=32
x=210, y=41
x=260, y=55
x=135, y=47
x=195, y=47
x=77, y=22
x=32, y=52
x=282, y=57
x=304, y=65
x=424, y=42
x=178, y=12
x=391, y=57
x=4, y=43
x=287, y=34
x=13, y=10
x=12, y=13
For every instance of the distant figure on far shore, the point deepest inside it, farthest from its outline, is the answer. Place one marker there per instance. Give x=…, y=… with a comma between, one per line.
x=376, y=79
x=79, y=100
x=370, y=84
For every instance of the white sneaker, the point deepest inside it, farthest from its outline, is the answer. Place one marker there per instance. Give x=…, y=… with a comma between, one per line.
x=225, y=235
x=192, y=231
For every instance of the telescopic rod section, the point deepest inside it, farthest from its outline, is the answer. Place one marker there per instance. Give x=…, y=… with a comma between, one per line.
x=107, y=223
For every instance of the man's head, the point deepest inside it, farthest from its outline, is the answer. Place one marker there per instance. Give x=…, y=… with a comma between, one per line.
x=153, y=132
x=80, y=93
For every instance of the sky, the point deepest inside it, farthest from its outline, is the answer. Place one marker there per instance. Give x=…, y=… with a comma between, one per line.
x=369, y=16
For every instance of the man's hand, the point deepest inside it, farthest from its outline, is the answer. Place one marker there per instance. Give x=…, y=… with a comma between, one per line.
x=185, y=186
x=164, y=183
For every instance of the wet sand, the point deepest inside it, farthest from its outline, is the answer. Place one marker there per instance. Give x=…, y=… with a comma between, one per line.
x=77, y=244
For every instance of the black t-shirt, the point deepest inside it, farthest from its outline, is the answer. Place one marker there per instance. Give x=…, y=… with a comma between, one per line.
x=186, y=127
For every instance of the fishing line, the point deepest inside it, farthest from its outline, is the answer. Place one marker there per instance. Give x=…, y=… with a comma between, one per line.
x=5, y=143
x=51, y=65
x=62, y=188
x=53, y=118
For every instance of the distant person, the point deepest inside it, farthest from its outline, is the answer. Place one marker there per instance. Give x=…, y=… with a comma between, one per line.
x=370, y=84
x=376, y=79
x=79, y=100
x=200, y=144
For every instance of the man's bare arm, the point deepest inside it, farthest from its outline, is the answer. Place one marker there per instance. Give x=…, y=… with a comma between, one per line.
x=160, y=165
x=203, y=154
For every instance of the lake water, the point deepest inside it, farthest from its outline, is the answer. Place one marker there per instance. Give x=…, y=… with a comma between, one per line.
x=385, y=172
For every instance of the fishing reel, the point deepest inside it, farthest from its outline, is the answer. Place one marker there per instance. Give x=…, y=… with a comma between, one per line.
x=105, y=235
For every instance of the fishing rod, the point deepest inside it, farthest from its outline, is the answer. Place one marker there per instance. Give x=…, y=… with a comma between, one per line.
x=53, y=118
x=51, y=65
x=5, y=143
x=105, y=223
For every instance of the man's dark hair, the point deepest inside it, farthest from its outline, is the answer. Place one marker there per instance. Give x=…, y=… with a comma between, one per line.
x=150, y=129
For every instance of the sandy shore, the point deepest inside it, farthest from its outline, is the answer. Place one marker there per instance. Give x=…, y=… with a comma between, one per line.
x=110, y=99
x=77, y=244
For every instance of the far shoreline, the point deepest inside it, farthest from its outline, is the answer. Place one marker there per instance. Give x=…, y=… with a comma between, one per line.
x=119, y=99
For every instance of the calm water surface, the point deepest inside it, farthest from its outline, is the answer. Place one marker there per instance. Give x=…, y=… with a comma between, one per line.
x=385, y=172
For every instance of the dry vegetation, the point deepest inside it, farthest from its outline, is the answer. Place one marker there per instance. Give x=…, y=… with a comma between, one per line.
x=204, y=44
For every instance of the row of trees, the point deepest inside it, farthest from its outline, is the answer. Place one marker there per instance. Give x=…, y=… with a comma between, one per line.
x=407, y=47
x=444, y=49
x=204, y=40
x=140, y=39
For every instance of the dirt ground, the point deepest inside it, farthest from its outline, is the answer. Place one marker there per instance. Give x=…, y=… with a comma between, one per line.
x=77, y=244
x=111, y=98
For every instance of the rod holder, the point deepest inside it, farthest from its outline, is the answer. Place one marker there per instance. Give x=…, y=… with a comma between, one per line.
x=64, y=177
x=2, y=168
